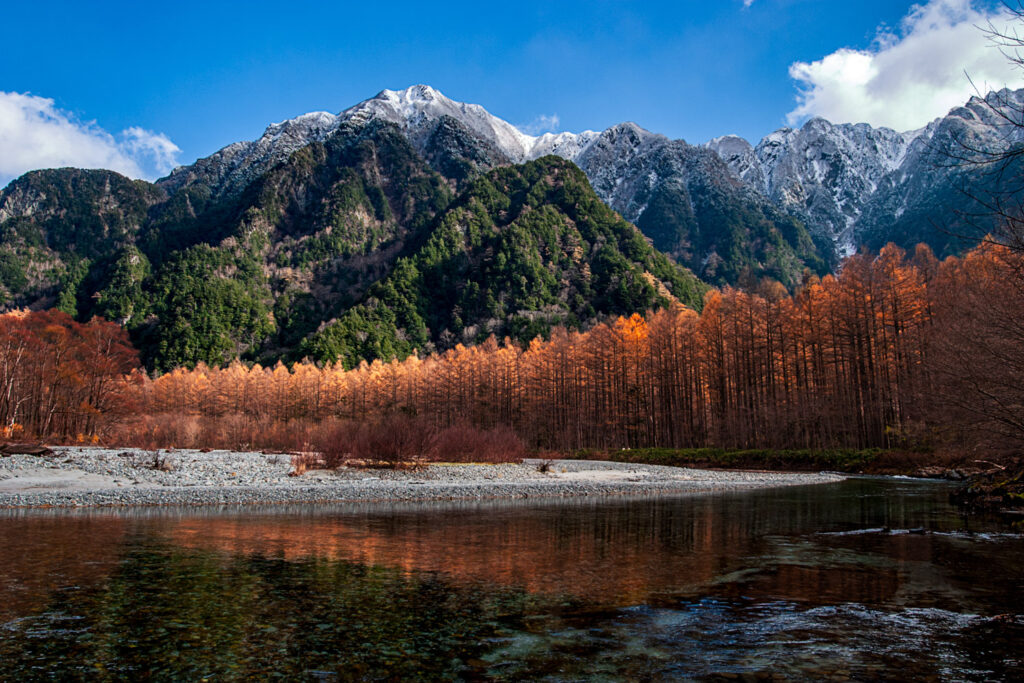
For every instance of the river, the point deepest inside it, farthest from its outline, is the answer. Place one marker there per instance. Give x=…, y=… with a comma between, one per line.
x=867, y=579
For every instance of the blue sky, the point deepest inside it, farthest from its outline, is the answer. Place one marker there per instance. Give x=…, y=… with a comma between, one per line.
x=156, y=84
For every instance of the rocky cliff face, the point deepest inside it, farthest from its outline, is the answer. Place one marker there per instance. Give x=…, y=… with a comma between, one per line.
x=683, y=197
x=685, y=200
x=864, y=186
x=851, y=185
x=823, y=173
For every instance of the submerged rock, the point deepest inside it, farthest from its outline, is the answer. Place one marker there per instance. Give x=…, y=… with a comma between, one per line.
x=1001, y=490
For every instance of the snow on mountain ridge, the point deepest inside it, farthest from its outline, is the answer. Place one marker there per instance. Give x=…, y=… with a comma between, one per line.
x=827, y=174
x=417, y=108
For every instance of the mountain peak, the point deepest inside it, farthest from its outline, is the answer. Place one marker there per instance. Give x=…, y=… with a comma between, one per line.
x=418, y=108
x=826, y=174
x=414, y=93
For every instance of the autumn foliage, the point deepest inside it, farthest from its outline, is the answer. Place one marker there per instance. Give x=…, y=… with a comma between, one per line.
x=895, y=350
x=59, y=378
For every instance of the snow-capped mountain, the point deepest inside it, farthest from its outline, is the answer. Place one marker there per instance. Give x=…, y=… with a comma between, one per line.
x=418, y=111
x=822, y=172
x=233, y=167
x=857, y=184
x=850, y=184
x=682, y=196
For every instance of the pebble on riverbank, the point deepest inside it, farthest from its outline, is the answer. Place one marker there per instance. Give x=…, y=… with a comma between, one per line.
x=75, y=477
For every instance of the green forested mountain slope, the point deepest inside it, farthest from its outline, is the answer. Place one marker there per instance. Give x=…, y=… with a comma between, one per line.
x=352, y=247
x=522, y=249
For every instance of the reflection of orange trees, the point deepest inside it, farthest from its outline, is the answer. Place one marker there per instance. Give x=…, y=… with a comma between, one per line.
x=617, y=554
x=41, y=554
x=575, y=552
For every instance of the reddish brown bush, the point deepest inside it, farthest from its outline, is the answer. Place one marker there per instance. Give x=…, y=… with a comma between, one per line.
x=404, y=441
x=394, y=441
x=466, y=443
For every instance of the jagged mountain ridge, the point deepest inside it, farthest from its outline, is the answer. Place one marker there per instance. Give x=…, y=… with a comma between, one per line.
x=861, y=185
x=705, y=218
x=851, y=184
x=417, y=111
x=823, y=172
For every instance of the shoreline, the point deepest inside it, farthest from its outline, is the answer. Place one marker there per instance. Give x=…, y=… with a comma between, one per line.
x=118, y=478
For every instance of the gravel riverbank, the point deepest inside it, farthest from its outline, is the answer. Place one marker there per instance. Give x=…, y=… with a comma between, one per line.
x=76, y=477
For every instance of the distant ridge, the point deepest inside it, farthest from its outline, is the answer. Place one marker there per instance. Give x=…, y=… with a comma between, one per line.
x=850, y=184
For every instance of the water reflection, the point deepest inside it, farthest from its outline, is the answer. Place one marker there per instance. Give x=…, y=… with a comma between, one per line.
x=619, y=552
x=848, y=579
x=42, y=553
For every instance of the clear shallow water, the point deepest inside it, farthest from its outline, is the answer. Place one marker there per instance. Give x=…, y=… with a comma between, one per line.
x=867, y=580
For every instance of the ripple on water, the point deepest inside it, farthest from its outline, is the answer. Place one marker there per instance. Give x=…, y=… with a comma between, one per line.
x=711, y=638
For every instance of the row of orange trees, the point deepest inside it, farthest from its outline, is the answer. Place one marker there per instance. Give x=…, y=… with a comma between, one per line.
x=894, y=347
x=891, y=348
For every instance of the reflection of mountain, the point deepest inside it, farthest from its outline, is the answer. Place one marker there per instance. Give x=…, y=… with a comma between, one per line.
x=171, y=615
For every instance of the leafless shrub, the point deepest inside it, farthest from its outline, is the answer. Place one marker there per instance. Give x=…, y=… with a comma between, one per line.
x=398, y=441
x=394, y=441
x=150, y=460
x=160, y=463
x=466, y=443
x=301, y=462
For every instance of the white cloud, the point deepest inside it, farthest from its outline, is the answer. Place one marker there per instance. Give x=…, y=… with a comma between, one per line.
x=748, y=3
x=35, y=134
x=542, y=124
x=152, y=150
x=910, y=76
